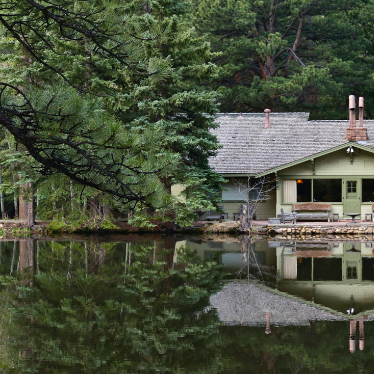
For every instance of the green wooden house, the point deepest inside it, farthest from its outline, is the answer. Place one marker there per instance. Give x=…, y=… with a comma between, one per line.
x=329, y=161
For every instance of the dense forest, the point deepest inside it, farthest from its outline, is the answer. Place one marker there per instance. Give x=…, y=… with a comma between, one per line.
x=105, y=105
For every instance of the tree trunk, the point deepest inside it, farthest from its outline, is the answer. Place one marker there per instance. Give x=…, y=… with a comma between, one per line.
x=71, y=196
x=31, y=212
x=26, y=206
x=16, y=213
x=94, y=207
x=2, y=198
x=26, y=257
x=106, y=210
x=84, y=205
x=243, y=226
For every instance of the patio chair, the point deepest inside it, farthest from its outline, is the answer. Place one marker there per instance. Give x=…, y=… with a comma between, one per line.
x=287, y=217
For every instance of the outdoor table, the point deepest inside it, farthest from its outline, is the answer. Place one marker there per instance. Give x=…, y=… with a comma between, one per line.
x=353, y=216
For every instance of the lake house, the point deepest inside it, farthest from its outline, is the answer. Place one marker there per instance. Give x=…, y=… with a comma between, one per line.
x=326, y=161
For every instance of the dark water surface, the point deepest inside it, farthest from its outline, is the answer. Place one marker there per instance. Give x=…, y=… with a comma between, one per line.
x=177, y=304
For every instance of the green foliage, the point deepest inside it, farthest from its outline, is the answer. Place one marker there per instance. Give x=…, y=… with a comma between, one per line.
x=127, y=313
x=149, y=128
x=290, y=55
x=82, y=223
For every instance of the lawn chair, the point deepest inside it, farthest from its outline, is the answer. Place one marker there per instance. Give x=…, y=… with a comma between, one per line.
x=287, y=217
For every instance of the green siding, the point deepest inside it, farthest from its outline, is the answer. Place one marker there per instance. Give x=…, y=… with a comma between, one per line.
x=266, y=209
x=302, y=169
x=334, y=165
x=176, y=191
x=339, y=163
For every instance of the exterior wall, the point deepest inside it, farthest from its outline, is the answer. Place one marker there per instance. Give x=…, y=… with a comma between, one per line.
x=176, y=190
x=231, y=201
x=337, y=165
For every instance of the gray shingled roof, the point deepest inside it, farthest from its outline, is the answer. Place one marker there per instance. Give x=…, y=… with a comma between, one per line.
x=250, y=148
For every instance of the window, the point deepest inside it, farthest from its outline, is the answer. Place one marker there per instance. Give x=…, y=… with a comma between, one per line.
x=289, y=191
x=351, y=186
x=304, y=190
x=234, y=191
x=368, y=190
x=257, y=194
x=351, y=272
x=328, y=190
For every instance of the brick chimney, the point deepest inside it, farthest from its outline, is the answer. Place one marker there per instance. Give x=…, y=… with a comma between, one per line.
x=356, y=133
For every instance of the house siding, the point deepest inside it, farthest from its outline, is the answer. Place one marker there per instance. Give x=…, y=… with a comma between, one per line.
x=335, y=165
x=231, y=204
x=176, y=191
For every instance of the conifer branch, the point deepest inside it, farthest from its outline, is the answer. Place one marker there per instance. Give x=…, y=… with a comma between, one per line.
x=88, y=154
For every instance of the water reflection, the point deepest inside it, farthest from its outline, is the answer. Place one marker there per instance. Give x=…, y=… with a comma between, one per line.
x=335, y=274
x=145, y=306
x=338, y=275
x=241, y=258
x=107, y=307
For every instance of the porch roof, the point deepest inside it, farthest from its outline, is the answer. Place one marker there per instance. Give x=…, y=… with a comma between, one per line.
x=249, y=148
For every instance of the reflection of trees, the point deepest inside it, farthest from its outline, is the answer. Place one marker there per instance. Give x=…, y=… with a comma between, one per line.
x=103, y=308
x=252, y=268
x=322, y=348
x=116, y=308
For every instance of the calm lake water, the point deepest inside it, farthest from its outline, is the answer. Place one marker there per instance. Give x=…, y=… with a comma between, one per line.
x=184, y=304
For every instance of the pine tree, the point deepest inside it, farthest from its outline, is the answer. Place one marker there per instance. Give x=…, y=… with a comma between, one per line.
x=286, y=55
x=113, y=96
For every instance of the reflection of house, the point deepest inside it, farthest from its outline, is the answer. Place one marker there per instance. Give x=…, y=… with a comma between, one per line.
x=308, y=161
x=336, y=275
x=230, y=254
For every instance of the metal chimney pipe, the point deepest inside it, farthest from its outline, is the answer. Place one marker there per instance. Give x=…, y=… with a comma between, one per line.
x=360, y=112
x=352, y=111
x=267, y=123
x=361, y=330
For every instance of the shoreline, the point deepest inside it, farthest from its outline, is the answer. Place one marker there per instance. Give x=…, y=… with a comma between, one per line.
x=342, y=229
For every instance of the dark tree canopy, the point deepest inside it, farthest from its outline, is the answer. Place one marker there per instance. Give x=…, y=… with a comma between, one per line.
x=112, y=96
x=287, y=55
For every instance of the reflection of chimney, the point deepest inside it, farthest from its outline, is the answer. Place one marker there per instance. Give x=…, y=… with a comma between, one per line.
x=352, y=111
x=352, y=336
x=360, y=112
x=355, y=134
x=361, y=331
x=267, y=123
x=268, y=329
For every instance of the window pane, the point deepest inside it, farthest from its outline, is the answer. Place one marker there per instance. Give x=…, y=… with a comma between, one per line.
x=368, y=190
x=327, y=190
x=304, y=190
x=351, y=186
